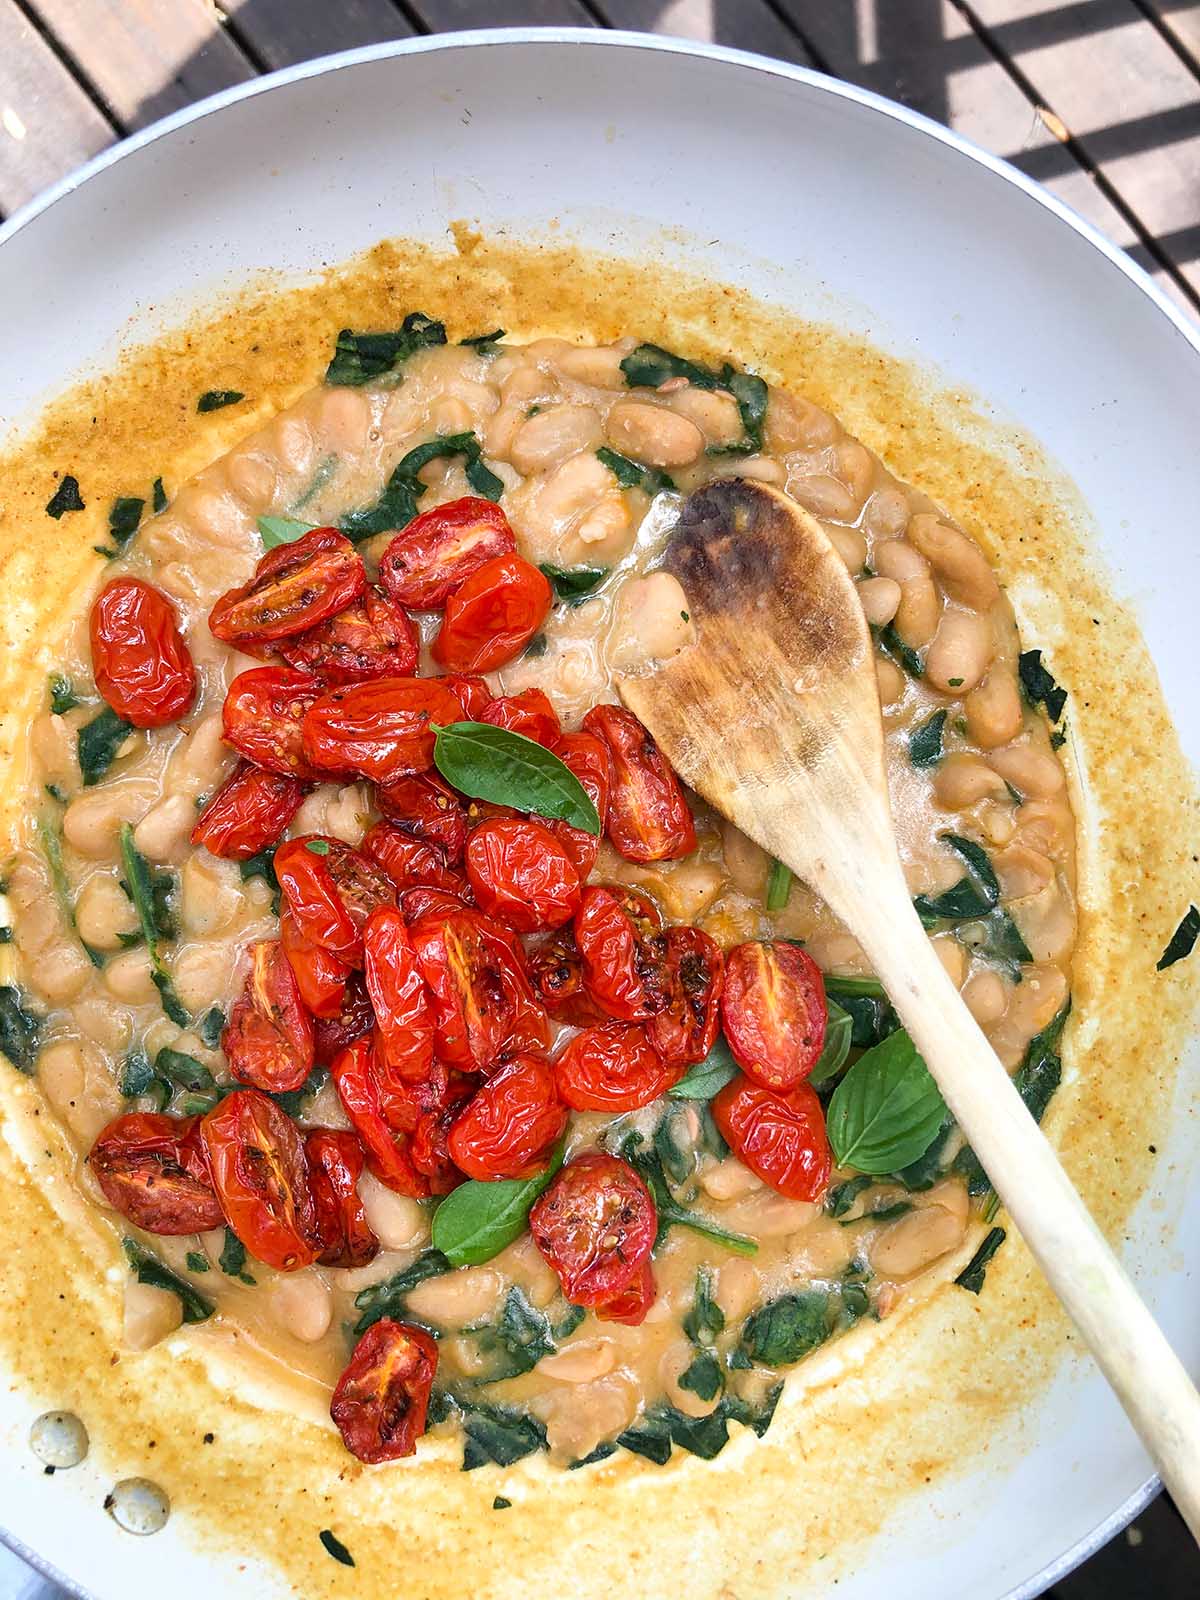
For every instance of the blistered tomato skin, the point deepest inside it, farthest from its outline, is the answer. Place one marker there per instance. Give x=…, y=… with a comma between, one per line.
x=774, y=1012
x=140, y=662
x=260, y=1173
x=249, y=812
x=372, y=638
x=521, y=875
x=556, y=977
x=268, y=1039
x=686, y=1029
x=387, y=1150
x=381, y=730
x=588, y=758
x=623, y=954
x=153, y=1170
x=439, y=550
x=331, y=890
x=472, y=693
x=510, y=1124
x=780, y=1137
x=381, y=1399
x=493, y=616
x=612, y=1067
x=320, y=977
x=428, y=808
x=482, y=1003
x=355, y=1019
x=335, y=1164
x=410, y=862
x=529, y=714
x=632, y=1304
x=420, y=901
x=648, y=816
x=294, y=587
x=402, y=1004
x=595, y=1225
x=263, y=716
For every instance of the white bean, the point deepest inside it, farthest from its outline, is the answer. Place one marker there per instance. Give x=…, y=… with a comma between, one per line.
x=150, y=1315
x=652, y=434
x=164, y=832
x=650, y=622
x=1035, y=773
x=92, y=820
x=303, y=1306
x=458, y=1298
x=994, y=713
x=958, y=561
x=960, y=653
x=547, y=438
x=210, y=893
x=582, y=1361
x=398, y=1222
x=880, y=599
x=103, y=912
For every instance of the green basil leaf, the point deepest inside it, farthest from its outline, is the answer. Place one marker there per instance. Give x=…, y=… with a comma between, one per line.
x=573, y=584
x=787, y=1329
x=707, y=1077
x=890, y=642
x=489, y=763
x=147, y=1268
x=887, y=1109
x=386, y=1299
x=145, y=890
x=838, y=1032
x=19, y=1029
x=282, y=530
x=65, y=498
x=779, y=886
x=871, y=1014
x=98, y=742
x=335, y=1547
x=1038, y=683
x=632, y=474
x=925, y=741
x=361, y=357
x=478, y=1220
x=62, y=694
x=972, y=1275
x=1182, y=941
x=217, y=399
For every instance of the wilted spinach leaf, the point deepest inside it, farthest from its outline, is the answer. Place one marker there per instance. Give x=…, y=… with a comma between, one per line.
x=1039, y=685
x=361, y=357
x=62, y=694
x=517, y=1342
x=499, y=1435
x=925, y=741
x=397, y=505
x=98, y=742
x=65, y=498
x=217, y=399
x=19, y=1029
x=574, y=584
x=890, y=642
x=787, y=1329
x=386, y=1299
x=1182, y=941
x=148, y=1269
x=972, y=1275
x=632, y=474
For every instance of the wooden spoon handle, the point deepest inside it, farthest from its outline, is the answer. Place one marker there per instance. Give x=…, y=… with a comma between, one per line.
x=1127, y=1343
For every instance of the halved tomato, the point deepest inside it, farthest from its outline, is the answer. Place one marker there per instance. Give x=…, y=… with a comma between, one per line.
x=774, y=1012
x=685, y=1030
x=595, y=1225
x=556, y=977
x=620, y=944
x=268, y=1039
x=483, y=1005
x=320, y=976
x=332, y=1035
x=335, y=1164
x=493, y=616
x=294, y=587
x=632, y=1304
x=153, y=1170
x=612, y=1067
x=263, y=716
x=371, y=638
x=380, y=1401
x=440, y=549
x=260, y=1172
x=521, y=875
x=402, y=1004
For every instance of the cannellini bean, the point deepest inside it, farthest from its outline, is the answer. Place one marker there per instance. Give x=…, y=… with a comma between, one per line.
x=952, y=956
x=606, y=525
x=543, y=516
x=729, y=1180
x=547, y=438
x=398, y=1222
x=890, y=680
x=500, y=431
x=303, y=1306
x=856, y=468
x=92, y=820
x=252, y=477
x=650, y=622
x=577, y=1419
x=203, y=972
x=451, y=415
x=913, y=1242
x=1047, y=923
x=994, y=714
x=525, y=1263
x=737, y=1287
x=1021, y=871
x=886, y=512
x=598, y=367
x=960, y=564
x=826, y=1248
x=673, y=1363
x=150, y=1315
x=684, y=889
x=920, y=605
x=53, y=742
x=716, y=415
x=582, y=1361
x=103, y=912
x=746, y=863
x=823, y=495
x=880, y=599
x=653, y=434
x=794, y=423
x=127, y=977
x=849, y=544
x=962, y=779
x=210, y=893
x=998, y=822
x=1033, y=772
x=349, y=812
x=986, y=996
x=164, y=832
x=199, y=759
x=761, y=468
x=344, y=419
x=960, y=653
x=768, y=1215
x=457, y=1298
x=291, y=443
x=76, y=1082
x=109, y=1026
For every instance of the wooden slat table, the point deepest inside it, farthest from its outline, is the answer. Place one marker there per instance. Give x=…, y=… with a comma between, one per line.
x=1098, y=99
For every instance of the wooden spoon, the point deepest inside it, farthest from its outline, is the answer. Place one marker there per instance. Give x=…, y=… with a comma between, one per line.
x=772, y=714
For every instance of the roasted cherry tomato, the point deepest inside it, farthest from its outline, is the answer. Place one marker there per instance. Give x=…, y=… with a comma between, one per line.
x=493, y=616
x=429, y=1142
x=612, y=1067
x=510, y=1123
x=556, y=978
x=332, y=1035
x=294, y=587
x=372, y=638
x=402, y=1004
x=249, y=812
x=428, y=808
x=632, y=1304
x=139, y=660
x=380, y=1400
x=774, y=1012
x=153, y=1170
x=260, y=1172
x=521, y=875
x=410, y=862
x=380, y=729
x=780, y=1137
x=420, y=901
x=386, y=1149
x=482, y=1003
x=441, y=548
x=473, y=693
x=623, y=952
x=320, y=977
x=268, y=1039
x=685, y=1030
x=595, y=1225
x=331, y=890
x=648, y=817
x=589, y=760
x=263, y=716
x=335, y=1164
x=529, y=713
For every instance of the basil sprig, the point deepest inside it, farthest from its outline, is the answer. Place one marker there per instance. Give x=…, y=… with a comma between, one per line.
x=707, y=1077
x=839, y=1031
x=478, y=1220
x=282, y=530
x=886, y=1111
x=489, y=763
